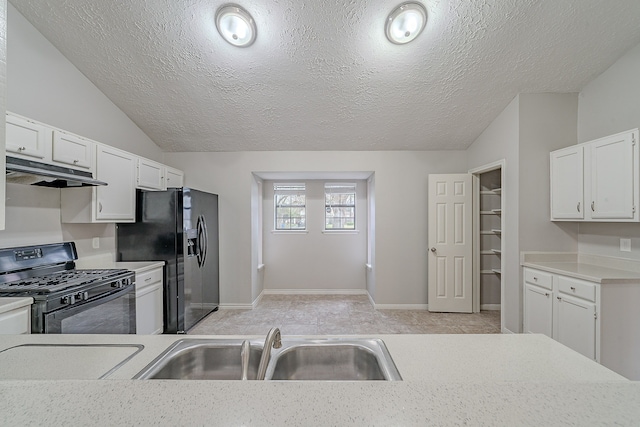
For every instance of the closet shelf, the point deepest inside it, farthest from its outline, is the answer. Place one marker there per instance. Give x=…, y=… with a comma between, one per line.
x=496, y=271
x=491, y=212
x=490, y=231
x=495, y=191
x=496, y=211
x=490, y=252
x=496, y=231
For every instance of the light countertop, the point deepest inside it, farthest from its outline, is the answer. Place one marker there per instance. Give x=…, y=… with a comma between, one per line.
x=592, y=268
x=12, y=303
x=107, y=262
x=447, y=379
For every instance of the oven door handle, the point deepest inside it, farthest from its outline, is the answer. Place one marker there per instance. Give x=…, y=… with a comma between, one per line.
x=77, y=308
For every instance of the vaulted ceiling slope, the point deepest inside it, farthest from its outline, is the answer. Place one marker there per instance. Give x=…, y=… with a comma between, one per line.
x=321, y=74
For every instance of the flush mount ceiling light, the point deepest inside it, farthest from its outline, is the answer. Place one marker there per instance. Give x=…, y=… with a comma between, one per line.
x=235, y=25
x=405, y=23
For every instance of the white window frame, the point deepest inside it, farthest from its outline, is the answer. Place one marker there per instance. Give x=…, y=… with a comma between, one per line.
x=355, y=202
x=281, y=189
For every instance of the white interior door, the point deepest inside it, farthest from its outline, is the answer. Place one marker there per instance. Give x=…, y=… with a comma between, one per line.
x=450, y=243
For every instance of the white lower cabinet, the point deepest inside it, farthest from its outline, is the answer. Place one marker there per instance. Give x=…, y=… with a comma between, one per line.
x=576, y=325
x=16, y=320
x=149, y=301
x=538, y=310
x=594, y=319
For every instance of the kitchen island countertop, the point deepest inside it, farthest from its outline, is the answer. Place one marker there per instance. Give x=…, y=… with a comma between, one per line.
x=447, y=379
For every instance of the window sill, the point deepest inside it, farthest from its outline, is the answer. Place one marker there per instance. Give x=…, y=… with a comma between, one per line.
x=340, y=231
x=289, y=232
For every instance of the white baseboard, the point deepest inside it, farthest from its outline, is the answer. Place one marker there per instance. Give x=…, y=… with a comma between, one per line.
x=401, y=306
x=507, y=331
x=314, y=292
x=232, y=306
x=490, y=307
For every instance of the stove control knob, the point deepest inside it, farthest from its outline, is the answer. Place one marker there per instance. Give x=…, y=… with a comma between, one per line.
x=116, y=284
x=69, y=299
x=126, y=281
x=82, y=296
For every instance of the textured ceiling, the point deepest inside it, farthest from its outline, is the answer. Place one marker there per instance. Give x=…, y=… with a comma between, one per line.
x=321, y=74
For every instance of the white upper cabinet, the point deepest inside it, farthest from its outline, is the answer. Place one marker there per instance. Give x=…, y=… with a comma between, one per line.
x=115, y=202
x=597, y=180
x=567, y=176
x=174, y=178
x=150, y=175
x=73, y=151
x=614, y=166
x=27, y=139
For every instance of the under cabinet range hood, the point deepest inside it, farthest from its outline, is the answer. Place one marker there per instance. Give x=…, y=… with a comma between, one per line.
x=22, y=171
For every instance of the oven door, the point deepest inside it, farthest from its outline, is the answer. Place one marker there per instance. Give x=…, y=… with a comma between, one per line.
x=114, y=313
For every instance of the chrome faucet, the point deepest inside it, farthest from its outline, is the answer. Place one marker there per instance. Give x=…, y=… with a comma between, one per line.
x=244, y=356
x=274, y=340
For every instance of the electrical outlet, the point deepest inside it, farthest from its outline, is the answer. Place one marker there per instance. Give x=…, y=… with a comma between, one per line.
x=95, y=242
x=625, y=245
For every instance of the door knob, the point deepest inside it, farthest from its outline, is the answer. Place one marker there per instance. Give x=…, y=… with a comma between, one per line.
x=433, y=249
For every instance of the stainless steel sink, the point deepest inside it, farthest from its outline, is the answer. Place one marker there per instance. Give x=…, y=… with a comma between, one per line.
x=333, y=360
x=203, y=359
x=337, y=359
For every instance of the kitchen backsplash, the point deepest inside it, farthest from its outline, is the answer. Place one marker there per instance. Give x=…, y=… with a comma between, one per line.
x=33, y=217
x=604, y=239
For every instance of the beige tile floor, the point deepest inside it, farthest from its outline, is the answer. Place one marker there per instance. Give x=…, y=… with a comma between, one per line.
x=340, y=315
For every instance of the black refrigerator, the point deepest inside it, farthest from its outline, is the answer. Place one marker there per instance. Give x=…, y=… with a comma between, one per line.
x=178, y=226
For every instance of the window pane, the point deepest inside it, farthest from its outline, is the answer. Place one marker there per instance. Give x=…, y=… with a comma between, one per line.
x=340, y=211
x=290, y=212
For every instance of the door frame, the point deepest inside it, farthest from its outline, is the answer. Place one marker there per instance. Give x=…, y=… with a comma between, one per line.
x=475, y=173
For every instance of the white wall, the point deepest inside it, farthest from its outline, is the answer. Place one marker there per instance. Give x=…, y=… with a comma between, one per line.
x=526, y=131
x=401, y=183
x=500, y=140
x=42, y=84
x=314, y=260
x=610, y=104
x=3, y=85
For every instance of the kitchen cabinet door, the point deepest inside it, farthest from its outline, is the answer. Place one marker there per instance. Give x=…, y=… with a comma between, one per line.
x=149, y=302
x=612, y=177
x=116, y=201
x=150, y=175
x=538, y=310
x=174, y=178
x=73, y=151
x=27, y=139
x=576, y=325
x=567, y=183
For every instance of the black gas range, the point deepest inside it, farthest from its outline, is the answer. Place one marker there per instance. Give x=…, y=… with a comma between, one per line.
x=66, y=299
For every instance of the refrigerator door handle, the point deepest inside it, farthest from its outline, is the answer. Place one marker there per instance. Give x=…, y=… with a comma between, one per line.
x=202, y=240
x=205, y=243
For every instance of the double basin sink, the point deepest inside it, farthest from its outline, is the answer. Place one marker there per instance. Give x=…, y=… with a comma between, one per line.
x=337, y=359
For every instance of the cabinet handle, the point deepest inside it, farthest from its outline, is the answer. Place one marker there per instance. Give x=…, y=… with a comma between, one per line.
x=573, y=288
x=99, y=206
x=147, y=279
x=75, y=162
x=546, y=294
x=22, y=148
x=593, y=209
x=578, y=207
x=535, y=278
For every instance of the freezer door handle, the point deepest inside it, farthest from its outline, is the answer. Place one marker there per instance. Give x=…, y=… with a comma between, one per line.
x=202, y=240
